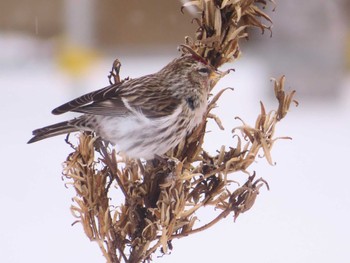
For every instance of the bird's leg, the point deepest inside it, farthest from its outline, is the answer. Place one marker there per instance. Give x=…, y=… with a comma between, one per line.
x=113, y=76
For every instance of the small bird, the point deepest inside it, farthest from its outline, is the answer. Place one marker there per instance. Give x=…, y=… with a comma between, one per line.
x=145, y=116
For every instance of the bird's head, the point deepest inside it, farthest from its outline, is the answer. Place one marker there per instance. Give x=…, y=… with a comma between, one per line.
x=189, y=68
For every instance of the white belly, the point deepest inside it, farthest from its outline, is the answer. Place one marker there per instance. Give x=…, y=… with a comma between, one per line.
x=140, y=137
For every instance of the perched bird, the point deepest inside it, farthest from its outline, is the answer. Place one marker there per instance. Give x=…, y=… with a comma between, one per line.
x=145, y=116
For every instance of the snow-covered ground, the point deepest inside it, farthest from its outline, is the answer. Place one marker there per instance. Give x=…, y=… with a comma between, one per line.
x=304, y=218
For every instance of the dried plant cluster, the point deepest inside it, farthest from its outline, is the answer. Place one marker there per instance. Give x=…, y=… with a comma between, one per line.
x=132, y=208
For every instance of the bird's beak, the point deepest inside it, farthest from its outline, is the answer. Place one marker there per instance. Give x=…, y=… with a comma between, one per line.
x=215, y=75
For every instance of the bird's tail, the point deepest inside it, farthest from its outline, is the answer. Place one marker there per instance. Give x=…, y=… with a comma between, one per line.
x=53, y=130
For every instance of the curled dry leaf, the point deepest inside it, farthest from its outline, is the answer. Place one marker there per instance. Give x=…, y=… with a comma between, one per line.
x=222, y=24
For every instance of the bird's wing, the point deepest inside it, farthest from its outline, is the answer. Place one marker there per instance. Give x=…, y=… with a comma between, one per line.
x=152, y=101
x=98, y=95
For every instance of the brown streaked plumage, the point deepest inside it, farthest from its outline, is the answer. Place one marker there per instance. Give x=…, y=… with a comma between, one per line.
x=143, y=116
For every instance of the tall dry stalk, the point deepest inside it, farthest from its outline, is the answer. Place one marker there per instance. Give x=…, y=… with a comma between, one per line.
x=132, y=208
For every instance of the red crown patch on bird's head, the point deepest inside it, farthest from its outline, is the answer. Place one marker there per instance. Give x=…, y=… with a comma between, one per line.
x=185, y=49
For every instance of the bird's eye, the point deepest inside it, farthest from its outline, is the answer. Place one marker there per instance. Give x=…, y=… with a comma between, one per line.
x=203, y=71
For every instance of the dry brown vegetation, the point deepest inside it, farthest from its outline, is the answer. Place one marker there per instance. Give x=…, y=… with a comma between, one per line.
x=132, y=208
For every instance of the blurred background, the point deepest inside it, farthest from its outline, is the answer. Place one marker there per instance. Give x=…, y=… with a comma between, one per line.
x=52, y=51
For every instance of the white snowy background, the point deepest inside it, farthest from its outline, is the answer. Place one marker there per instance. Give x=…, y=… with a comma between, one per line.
x=303, y=218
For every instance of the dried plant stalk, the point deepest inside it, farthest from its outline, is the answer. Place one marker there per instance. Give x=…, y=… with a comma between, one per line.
x=222, y=24
x=132, y=208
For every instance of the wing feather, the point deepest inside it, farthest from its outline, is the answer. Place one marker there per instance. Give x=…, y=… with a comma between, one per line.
x=153, y=101
x=97, y=95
